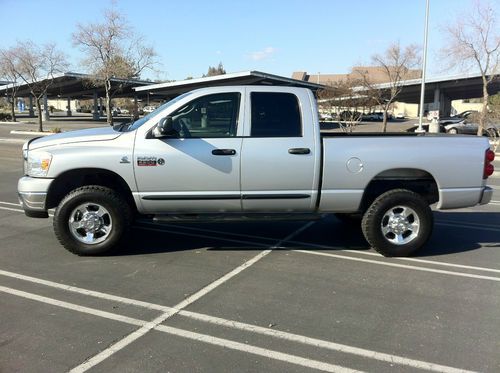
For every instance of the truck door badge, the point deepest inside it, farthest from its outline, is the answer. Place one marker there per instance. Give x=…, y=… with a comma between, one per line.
x=124, y=159
x=147, y=161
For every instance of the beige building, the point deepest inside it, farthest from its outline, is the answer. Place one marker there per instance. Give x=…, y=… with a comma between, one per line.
x=376, y=75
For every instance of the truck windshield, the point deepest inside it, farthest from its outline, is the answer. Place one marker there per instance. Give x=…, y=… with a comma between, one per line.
x=139, y=122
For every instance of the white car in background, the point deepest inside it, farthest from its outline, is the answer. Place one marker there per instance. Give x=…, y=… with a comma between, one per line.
x=149, y=109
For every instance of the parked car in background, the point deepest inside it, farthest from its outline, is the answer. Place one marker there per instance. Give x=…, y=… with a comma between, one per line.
x=400, y=116
x=149, y=109
x=467, y=127
x=125, y=111
x=456, y=118
x=372, y=117
x=350, y=115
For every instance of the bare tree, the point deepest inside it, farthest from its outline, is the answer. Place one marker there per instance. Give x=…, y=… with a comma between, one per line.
x=8, y=72
x=113, y=50
x=344, y=97
x=36, y=66
x=474, y=42
x=393, y=67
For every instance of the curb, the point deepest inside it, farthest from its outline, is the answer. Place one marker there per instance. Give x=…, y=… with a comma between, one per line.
x=17, y=132
x=13, y=141
x=19, y=122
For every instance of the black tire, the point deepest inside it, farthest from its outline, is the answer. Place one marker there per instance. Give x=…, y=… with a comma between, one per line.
x=351, y=219
x=377, y=217
x=118, y=212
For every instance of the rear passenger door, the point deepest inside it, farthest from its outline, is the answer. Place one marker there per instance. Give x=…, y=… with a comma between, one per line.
x=280, y=151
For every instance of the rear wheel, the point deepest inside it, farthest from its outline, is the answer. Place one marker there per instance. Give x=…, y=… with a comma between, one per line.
x=398, y=223
x=92, y=220
x=452, y=131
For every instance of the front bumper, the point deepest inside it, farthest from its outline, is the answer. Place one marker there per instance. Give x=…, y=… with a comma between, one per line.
x=32, y=194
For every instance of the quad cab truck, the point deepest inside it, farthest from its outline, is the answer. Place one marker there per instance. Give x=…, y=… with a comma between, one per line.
x=243, y=152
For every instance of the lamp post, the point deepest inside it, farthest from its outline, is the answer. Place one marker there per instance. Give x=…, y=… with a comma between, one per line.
x=424, y=64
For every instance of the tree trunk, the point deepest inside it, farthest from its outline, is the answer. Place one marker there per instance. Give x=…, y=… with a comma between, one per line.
x=39, y=109
x=109, y=113
x=484, y=109
x=384, y=120
x=13, y=108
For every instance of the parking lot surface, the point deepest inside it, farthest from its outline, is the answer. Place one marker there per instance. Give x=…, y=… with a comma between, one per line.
x=248, y=297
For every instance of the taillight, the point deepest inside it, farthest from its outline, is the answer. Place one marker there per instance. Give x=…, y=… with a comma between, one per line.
x=489, y=156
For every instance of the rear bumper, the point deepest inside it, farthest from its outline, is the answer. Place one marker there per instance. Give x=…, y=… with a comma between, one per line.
x=32, y=193
x=455, y=198
x=487, y=195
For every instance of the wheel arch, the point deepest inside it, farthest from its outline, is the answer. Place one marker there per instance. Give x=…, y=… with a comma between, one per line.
x=416, y=180
x=72, y=179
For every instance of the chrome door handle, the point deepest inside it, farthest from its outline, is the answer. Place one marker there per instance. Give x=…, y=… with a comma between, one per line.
x=299, y=151
x=223, y=152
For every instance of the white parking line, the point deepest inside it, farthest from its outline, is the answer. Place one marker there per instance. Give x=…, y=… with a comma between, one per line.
x=432, y=262
x=10, y=209
x=326, y=247
x=160, y=319
x=390, y=264
x=276, y=355
x=244, y=327
x=10, y=204
x=380, y=356
x=450, y=223
x=157, y=321
x=314, y=364
x=71, y=306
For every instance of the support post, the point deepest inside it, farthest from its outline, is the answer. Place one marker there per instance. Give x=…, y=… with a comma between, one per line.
x=95, y=112
x=68, y=108
x=100, y=107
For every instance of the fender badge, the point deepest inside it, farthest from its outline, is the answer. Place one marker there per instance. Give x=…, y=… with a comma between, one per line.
x=146, y=161
x=161, y=161
x=124, y=159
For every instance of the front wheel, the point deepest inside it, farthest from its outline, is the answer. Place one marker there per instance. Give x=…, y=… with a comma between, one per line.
x=398, y=223
x=92, y=220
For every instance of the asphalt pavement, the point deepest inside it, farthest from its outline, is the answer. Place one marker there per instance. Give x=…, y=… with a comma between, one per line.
x=248, y=297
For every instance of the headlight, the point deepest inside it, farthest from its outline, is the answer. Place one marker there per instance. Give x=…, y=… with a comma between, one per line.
x=38, y=163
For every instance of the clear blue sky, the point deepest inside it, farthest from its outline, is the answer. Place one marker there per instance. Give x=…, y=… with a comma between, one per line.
x=327, y=36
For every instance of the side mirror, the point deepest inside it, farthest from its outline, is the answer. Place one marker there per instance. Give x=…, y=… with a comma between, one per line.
x=165, y=128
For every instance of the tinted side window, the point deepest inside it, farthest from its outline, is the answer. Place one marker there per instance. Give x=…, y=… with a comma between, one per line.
x=208, y=116
x=275, y=114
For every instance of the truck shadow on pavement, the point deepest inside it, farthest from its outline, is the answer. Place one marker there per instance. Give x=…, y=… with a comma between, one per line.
x=454, y=232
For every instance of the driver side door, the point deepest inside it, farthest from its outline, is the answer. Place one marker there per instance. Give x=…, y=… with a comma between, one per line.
x=198, y=170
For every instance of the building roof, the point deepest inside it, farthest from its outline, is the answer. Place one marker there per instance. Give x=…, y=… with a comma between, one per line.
x=76, y=85
x=172, y=89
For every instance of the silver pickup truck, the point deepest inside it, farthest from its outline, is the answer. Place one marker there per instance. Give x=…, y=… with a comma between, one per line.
x=248, y=152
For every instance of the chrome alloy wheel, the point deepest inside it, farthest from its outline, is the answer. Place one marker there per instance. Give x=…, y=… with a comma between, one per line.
x=400, y=225
x=90, y=223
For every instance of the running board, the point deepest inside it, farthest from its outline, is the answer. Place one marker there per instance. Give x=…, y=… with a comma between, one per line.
x=234, y=217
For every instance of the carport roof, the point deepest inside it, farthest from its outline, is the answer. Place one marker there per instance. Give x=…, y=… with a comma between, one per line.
x=172, y=89
x=76, y=85
x=455, y=87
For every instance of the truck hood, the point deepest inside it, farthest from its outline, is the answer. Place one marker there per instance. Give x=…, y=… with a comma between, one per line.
x=91, y=134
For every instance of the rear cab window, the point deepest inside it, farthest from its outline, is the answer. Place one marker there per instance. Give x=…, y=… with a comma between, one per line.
x=275, y=114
